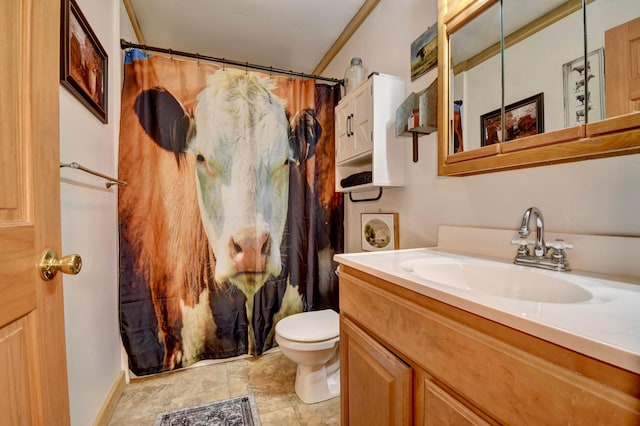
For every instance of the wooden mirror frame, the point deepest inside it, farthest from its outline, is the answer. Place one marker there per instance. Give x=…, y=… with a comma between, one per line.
x=610, y=137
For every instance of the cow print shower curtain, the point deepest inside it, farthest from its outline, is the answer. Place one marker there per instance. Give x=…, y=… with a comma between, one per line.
x=229, y=221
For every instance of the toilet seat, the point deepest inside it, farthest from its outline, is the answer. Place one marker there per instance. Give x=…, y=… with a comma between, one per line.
x=310, y=327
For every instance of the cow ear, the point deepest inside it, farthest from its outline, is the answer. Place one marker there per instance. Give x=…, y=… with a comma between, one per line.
x=165, y=120
x=305, y=133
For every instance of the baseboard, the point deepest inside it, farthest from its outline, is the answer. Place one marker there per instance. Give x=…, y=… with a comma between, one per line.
x=109, y=405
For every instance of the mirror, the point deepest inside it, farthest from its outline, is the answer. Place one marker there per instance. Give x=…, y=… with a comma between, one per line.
x=548, y=112
x=543, y=66
x=475, y=76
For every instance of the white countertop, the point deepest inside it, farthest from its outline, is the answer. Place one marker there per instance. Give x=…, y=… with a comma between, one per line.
x=607, y=327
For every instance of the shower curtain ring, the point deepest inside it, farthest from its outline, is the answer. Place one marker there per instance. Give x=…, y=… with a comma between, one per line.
x=198, y=57
x=246, y=68
x=223, y=64
x=171, y=54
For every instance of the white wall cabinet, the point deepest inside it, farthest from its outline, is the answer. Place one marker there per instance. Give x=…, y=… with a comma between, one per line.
x=365, y=134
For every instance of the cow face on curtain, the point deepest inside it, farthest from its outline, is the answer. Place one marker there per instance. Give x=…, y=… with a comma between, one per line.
x=216, y=242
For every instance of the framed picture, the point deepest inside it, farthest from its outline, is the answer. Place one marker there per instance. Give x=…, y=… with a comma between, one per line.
x=83, y=61
x=523, y=118
x=424, y=52
x=379, y=231
x=575, y=100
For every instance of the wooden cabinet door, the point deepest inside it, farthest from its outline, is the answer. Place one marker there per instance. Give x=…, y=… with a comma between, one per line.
x=375, y=385
x=33, y=374
x=441, y=408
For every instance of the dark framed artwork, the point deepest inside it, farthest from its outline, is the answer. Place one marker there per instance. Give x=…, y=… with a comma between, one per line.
x=522, y=118
x=83, y=61
x=424, y=52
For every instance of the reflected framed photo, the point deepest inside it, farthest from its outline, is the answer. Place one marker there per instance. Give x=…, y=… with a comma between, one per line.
x=576, y=101
x=521, y=119
x=379, y=231
x=83, y=61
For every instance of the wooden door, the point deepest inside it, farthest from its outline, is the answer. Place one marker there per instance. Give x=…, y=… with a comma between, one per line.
x=33, y=374
x=375, y=385
x=622, y=68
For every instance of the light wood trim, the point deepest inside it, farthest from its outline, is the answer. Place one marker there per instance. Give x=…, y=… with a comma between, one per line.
x=131, y=13
x=485, y=151
x=543, y=139
x=458, y=15
x=504, y=373
x=444, y=128
x=43, y=166
x=109, y=405
x=346, y=34
x=618, y=143
x=614, y=124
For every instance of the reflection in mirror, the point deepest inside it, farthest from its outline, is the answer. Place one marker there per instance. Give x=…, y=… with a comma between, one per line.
x=612, y=27
x=475, y=78
x=543, y=66
x=571, y=133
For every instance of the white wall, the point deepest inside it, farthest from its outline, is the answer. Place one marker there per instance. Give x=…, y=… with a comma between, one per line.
x=89, y=228
x=595, y=196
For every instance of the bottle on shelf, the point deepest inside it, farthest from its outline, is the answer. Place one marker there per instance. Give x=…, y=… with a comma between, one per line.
x=354, y=75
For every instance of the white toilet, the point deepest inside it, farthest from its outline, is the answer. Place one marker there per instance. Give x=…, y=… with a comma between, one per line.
x=311, y=339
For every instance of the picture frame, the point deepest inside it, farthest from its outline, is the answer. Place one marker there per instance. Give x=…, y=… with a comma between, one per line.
x=83, y=61
x=521, y=119
x=573, y=84
x=424, y=52
x=379, y=231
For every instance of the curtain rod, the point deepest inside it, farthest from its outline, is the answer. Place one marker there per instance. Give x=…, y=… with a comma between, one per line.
x=125, y=44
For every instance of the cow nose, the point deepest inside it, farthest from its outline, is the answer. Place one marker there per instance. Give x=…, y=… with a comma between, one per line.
x=250, y=254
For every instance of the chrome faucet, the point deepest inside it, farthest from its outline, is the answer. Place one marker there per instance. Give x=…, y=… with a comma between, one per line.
x=554, y=259
x=540, y=249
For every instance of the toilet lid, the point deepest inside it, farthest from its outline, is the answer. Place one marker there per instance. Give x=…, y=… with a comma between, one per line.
x=311, y=326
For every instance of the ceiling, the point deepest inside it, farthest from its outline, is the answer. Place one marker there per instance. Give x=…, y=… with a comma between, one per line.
x=286, y=34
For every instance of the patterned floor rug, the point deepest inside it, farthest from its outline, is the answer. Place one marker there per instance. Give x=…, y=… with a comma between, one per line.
x=239, y=411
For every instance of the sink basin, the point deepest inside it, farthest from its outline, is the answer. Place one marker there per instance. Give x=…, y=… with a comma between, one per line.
x=510, y=281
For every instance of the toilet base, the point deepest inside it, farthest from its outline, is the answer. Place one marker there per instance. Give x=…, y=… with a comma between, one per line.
x=317, y=383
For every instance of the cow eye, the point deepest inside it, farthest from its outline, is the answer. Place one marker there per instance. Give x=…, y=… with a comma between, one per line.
x=200, y=158
x=286, y=162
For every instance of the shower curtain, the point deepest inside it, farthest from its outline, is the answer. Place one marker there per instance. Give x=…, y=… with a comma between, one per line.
x=229, y=221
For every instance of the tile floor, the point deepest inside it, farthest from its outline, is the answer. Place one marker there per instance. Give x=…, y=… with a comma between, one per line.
x=269, y=377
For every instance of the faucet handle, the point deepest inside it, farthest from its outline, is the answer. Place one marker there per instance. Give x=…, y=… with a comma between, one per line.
x=521, y=242
x=523, y=250
x=559, y=245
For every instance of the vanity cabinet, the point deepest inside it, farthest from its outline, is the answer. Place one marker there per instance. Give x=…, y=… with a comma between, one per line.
x=465, y=369
x=365, y=133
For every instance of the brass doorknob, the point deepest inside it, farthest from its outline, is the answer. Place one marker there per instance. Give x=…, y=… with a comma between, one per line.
x=50, y=264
